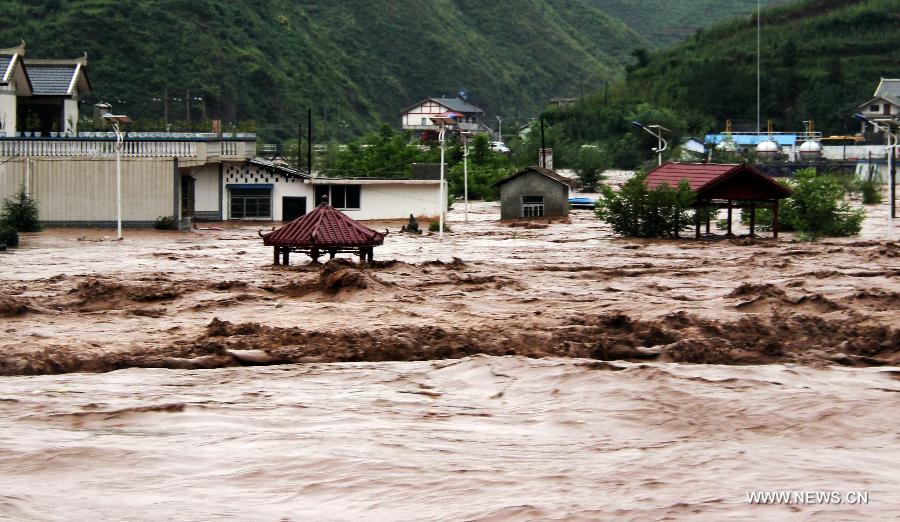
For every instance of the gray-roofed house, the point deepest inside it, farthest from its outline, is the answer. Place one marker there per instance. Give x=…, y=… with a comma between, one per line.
x=534, y=192
x=40, y=95
x=885, y=103
x=417, y=117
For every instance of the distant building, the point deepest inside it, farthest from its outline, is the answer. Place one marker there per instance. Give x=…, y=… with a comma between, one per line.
x=40, y=95
x=417, y=118
x=885, y=104
x=561, y=103
x=534, y=192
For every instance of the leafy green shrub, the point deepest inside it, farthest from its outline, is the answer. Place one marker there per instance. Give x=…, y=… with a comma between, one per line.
x=637, y=211
x=21, y=213
x=871, y=192
x=590, y=163
x=817, y=208
x=165, y=223
x=8, y=235
x=435, y=226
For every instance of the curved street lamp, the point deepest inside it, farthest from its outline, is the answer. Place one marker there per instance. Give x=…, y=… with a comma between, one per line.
x=890, y=147
x=662, y=144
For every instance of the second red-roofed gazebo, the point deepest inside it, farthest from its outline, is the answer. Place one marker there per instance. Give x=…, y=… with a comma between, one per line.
x=325, y=230
x=730, y=186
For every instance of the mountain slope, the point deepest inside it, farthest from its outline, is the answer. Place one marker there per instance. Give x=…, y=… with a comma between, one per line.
x=664, y=22
x=354, y=62
x=820, y=59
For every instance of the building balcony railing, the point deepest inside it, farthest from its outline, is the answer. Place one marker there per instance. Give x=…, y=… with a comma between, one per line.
x=473, y=127
x=195, y=146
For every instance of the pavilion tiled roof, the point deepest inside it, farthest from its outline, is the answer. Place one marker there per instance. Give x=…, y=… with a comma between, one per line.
x=324, y=227
x=706, y=177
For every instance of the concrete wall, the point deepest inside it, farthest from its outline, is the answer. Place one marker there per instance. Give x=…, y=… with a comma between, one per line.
x=75, y=191
x=397, y=201
x=206, y=188
x=70, y=115
x=556, y=195
x=8, y=109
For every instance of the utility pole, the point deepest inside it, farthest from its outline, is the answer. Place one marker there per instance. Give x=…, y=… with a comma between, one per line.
x=309, y=141
x=187, y=105
x=166, y=107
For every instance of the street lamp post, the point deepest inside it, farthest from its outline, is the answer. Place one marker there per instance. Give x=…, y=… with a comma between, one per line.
x=443, y=121
x=465, y=139
x=662, y=144
x=499, y=128
x=120, y=141
x=890, y=147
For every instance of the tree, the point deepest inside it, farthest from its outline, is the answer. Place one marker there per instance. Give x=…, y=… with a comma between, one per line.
x=637, y=211
x=590, y=163
x=21, y=213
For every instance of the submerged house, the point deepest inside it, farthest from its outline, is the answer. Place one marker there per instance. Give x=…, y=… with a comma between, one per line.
x=534, y=192
x=203, y=176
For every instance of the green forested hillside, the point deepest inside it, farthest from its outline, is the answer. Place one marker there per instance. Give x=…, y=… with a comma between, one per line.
x=820, y=60
x=355, y=62
x=665, y=22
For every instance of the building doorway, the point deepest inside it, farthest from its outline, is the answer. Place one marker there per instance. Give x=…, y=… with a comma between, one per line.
x=292, y=208
x=187, y=196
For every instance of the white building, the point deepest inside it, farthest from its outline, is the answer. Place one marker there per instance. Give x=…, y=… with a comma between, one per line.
x=417, y=118
x=40, y=96
x=885, y=104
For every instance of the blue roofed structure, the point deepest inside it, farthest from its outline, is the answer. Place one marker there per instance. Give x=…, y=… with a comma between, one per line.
x=750, y=140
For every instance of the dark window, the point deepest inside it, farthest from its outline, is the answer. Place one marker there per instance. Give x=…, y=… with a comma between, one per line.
x=532, y=206
x=251, y=203
x=345, y=197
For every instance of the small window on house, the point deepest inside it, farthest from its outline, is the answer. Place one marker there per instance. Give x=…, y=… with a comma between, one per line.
x=424, y=121
x=532, y=206
x=873, y=108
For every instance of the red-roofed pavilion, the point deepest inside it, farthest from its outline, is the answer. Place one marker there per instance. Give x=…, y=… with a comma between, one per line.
x=323, y=231
x=730, y=186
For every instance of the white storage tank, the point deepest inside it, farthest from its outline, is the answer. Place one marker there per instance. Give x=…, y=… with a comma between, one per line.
x=810, y=150
x=768, y=149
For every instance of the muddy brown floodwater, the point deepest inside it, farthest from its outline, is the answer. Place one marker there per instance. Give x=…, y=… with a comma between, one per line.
x=508, y=372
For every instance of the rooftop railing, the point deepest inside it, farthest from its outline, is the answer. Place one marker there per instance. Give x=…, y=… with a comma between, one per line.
x=199, y=146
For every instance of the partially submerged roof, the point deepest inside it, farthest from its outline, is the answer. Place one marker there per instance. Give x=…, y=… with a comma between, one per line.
x=58, y=77
x=452, y=104
x=719, y=180
x=324, y=227
x=540, y=170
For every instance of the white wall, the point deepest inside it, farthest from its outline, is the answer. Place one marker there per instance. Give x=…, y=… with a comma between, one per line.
x=840, y=152
x=206, y=188
x=8, y=110
x=397, y=201
x=70, y=115
x=81, y=189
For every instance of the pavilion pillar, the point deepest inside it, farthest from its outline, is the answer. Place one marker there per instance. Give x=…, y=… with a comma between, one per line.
x=752, y=218
x=287, y=255
x=729, y=219
x=708, y=218
x=697, y=223
x=277, y=255
x=371, y=254
x=775, y=223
